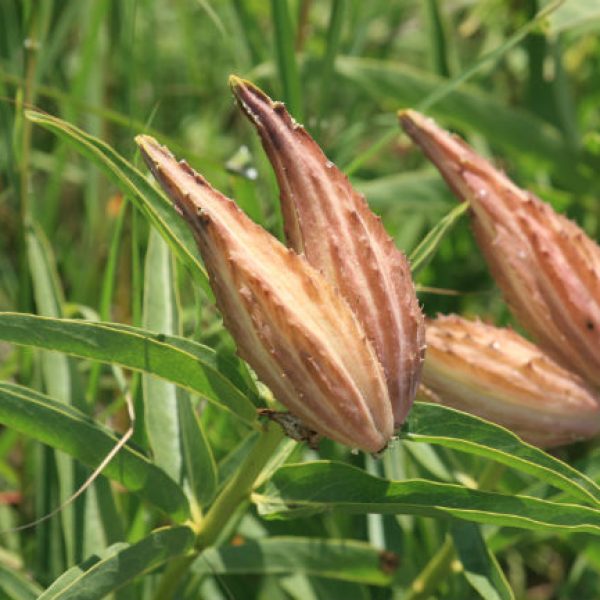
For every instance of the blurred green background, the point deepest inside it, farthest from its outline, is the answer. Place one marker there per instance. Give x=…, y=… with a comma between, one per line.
x=343, y=68
x=520, y=79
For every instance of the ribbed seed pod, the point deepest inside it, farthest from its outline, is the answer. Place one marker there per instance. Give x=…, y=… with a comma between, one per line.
x=330, y=223
x=547, y=268
x=289, y=323
x=498, y=375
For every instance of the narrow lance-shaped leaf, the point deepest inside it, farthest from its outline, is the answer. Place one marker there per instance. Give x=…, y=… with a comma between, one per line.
x=425, y=251
x=346, y=560
x=56, y=376
x=65, y=428
x=160, y=397
x=150, y=201
x=198, y=461
x=392, y=84
x=444, y=426
x=331, y=224
x=480, y=565
x=97, y=577
x=181, y=361
x=308, y=488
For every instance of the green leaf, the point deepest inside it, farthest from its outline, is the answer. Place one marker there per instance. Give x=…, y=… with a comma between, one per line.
x=437, y=424
x=480, y=566
x=304, y=489
x=394, y=85
x=142, y=193
x=420, y=191
x=15, y=585
x=65, y=428
x=575, y=13
x=160, y=397
x=99, y=576
x=334, y=31
x=181, y=361
x=346, y=560
x=55, y=368
x=426, y=250
x=74, y=573
x=286, y=57
x=199, y=463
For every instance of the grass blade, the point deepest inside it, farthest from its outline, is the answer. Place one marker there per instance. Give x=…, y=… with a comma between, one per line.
x=480, y=566
x=425, y=251
x=153, y=204
x=334, y=33
x=186, y=363
x=199, y=464
x=286, y=57
x=17, y=585
x=55, y=369
x=517, y=132
x=160, y=397
x=65, y=428
x=97, y=577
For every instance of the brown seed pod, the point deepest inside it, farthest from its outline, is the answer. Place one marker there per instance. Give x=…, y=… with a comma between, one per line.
x=331, y=224
x=498, y=375
x=289, y=323
x=547, y=268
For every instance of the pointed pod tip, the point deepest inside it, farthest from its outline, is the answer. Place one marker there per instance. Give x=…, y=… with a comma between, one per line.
x=150, y=148
x=251, y=99
x=406, y=113
x=243, y=88
x=412, y=121
x=144, y=141
x=235, y=82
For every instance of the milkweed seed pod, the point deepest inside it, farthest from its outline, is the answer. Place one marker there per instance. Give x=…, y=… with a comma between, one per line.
x=330, y=223
x=547, y=268
x=496, y=374
x=289, y=323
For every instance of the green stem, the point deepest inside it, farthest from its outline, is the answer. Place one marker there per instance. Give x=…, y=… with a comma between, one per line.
x=237, y=491
x=435, y=570
x=239, y=487
x=170, y=579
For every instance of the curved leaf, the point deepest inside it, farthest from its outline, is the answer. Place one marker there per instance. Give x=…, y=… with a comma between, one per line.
x=67, y=429
x=394, y=85
x=480, y=566
x=145, y=196
x=133, y=348
x=300, y=490
x=424, y=252
x=443, y=426
x=573, y=14
x=120, y=564
x=16, y=585
x=346, y=560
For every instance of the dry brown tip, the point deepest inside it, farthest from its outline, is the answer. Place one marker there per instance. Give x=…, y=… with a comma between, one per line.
x=173, y=176
x=252, y=100
x=152, y=151
x=410, y=120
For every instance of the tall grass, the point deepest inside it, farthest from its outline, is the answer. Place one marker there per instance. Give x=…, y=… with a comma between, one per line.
x=81, y=239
